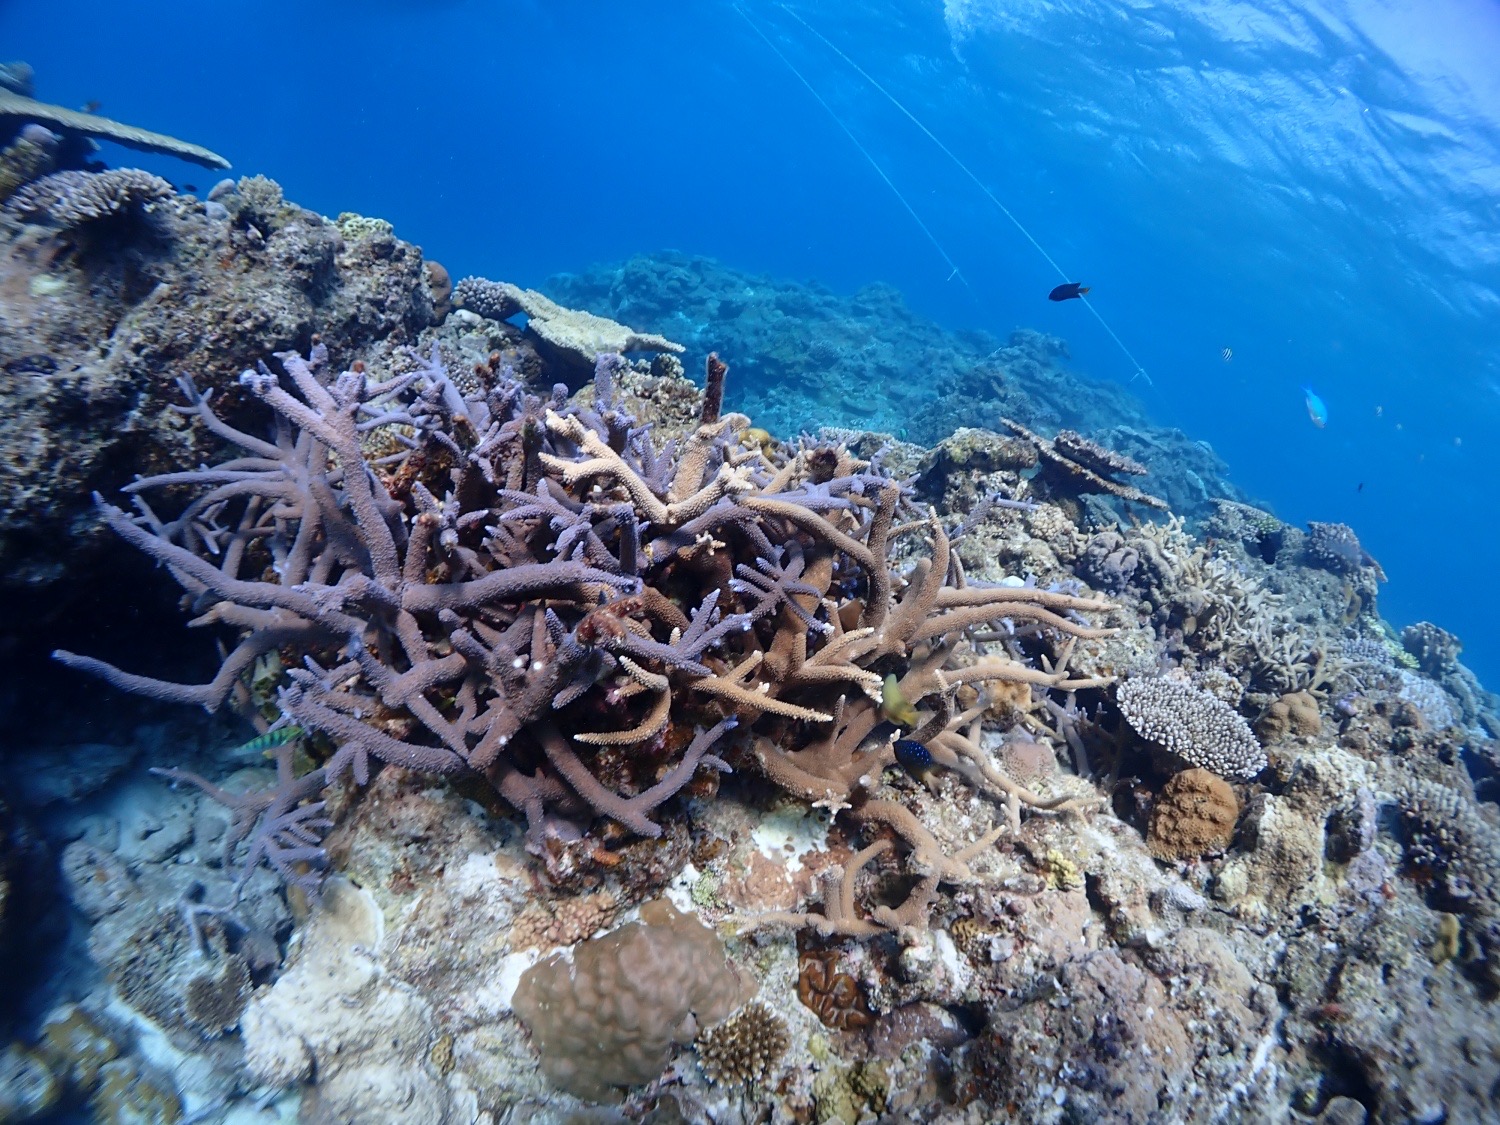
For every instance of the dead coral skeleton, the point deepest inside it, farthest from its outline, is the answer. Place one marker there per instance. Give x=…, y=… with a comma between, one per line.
x=515, y=587
x=1079, y=465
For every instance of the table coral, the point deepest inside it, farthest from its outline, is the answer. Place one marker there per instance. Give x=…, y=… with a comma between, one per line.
x=61, y=119
x=1192, y=724
x=1073, y=465
x=570, y=337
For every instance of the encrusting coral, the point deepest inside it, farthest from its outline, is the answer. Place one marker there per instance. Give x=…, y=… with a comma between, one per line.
x=534, y=593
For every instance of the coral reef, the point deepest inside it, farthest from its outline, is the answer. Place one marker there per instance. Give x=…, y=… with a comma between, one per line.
x=582, y=719
x=804, y=353
x=423, y=667
x=95, y=323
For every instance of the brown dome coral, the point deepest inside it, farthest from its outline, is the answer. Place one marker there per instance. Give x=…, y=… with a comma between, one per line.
x=1193, y=816
x=610, y=1015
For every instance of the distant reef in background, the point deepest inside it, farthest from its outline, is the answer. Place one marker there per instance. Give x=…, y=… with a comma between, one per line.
x=807, y=357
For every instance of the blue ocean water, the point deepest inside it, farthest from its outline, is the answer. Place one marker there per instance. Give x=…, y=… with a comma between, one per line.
x=1313, y=186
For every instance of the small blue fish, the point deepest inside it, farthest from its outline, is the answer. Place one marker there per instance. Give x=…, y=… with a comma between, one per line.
x=913, y=755
x=1315, y=408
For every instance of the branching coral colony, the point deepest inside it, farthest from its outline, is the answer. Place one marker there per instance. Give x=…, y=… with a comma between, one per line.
x=473, y=580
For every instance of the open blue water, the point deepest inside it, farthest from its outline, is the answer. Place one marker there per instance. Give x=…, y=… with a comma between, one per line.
x=1315, y=186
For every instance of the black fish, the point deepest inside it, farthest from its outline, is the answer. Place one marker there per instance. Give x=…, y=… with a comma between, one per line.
x=1068, y=292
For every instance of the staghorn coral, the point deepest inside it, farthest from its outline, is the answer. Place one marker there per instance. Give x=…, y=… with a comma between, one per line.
x=535, y=595
x=610, y=1014
x=1193, y=725
x=1193, y=816
x=69, y=200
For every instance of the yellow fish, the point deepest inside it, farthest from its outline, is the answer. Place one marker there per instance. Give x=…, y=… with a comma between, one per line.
x=897, y=707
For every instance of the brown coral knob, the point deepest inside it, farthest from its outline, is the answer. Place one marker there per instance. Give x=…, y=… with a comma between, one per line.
x=834, y=996
x=1193, y=816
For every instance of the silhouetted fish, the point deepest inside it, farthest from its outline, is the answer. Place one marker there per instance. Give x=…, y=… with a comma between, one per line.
x=92, y=107
x=1068, y=292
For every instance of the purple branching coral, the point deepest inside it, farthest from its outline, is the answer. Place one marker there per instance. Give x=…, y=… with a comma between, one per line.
x=474, y=580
